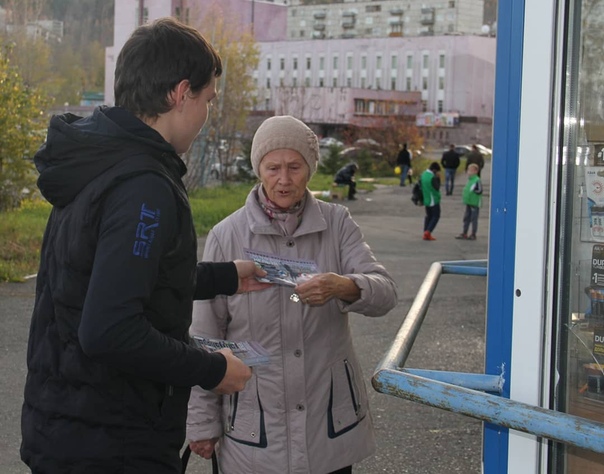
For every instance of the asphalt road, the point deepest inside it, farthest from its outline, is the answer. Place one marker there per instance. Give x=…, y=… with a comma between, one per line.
x=412, y=438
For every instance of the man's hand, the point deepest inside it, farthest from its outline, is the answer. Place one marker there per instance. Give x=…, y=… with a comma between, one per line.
x=248, y=271
x=235, y=377
x=204, y=447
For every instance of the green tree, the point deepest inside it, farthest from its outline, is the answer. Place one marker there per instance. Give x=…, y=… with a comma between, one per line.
x=63, y=67
x=21, y=132
x=222, y=137
x=332, y=161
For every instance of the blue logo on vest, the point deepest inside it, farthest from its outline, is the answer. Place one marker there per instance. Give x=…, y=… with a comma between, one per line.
x=145, y=231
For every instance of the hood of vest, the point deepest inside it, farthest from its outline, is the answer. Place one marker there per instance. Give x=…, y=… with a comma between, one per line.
x=77, y=150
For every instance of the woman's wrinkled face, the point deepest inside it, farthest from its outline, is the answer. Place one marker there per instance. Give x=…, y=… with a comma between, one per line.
x=284, y=174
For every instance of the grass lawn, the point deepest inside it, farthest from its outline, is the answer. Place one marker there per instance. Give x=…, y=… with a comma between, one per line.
x=21, y=230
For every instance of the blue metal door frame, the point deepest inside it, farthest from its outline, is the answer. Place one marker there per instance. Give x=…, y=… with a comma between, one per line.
x=502, y=235
x=488, y=396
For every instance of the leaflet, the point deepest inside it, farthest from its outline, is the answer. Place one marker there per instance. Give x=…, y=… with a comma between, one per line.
x=250, y=352
x=283, y=271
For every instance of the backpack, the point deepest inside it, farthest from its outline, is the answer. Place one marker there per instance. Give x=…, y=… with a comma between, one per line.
x=417, y=195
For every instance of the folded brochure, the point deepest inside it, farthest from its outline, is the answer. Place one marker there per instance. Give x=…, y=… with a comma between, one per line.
x=283, y=271
x=250, y=352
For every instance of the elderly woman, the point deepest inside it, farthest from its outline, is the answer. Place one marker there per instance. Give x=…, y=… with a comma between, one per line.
x=307, y=411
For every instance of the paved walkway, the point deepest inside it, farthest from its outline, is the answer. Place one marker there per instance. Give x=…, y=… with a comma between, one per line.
x=412, y=438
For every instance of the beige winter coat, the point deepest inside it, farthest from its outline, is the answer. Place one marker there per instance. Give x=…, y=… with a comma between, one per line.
x=306, y=412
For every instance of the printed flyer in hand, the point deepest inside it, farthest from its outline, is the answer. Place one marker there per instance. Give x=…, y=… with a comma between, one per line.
x=250, y=352
x=283, y=271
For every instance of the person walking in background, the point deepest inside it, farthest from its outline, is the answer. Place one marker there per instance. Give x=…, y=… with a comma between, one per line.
x=450, y=162
x=403, y=160
x=430, y=182
x=472, y=198
x=109, y=361
x=307, y=411
x=345, y=175
x=475, y=157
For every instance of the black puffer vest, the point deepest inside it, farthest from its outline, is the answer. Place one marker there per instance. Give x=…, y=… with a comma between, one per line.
x=130, y=419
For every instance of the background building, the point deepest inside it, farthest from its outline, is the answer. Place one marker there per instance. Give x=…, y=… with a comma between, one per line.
x=371, y=19
x=266, y=19
x=341, y=63
x=436, y=74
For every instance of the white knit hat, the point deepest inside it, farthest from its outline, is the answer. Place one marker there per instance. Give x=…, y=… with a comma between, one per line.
x=285, y=131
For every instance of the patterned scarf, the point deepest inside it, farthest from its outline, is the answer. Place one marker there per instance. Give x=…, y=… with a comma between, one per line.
x=288, y=220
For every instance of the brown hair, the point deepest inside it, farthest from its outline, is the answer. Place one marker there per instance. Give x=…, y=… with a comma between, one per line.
x=155, y=59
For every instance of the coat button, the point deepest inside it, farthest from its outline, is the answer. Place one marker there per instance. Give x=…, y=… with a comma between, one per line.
x=300, y=407
x=297, y=352
x=290, y=243
x=252, y=434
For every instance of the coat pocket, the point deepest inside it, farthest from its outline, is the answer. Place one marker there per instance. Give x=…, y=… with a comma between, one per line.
x=347, y=404
x=244, y=420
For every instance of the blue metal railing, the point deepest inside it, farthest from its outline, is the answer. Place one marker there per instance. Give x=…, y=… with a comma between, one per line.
x=475, y=395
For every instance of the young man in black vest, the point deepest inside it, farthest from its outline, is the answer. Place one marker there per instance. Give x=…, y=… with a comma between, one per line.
x=110, y=366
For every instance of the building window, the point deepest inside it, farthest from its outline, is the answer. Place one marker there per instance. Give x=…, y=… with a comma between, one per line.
x=349, y=62
x=359, y=106
x=295, y=64
x=393, y=83
x=408, y=84
x=349, y=82
x=268, y=82
x=424, y=83
x=321, y=82
x=441, y=61
x=424, y=105
x=373, y=8
x=145, y=16
x=308, y=62
x=302, y=34
x=282, y=63
x=396, y=29
x=281, y=83
x=378, y=83
x=378, y=62
x=362, y=83
x=393, y=60
x=441, y=83
x=334, y=82
x=266, y=104
x=440, y=106
x=452, y=4
x=409, y=62
x=335, y=62
x=307, y=82
x=425, y=61
x=321, y=63
x=294, y=82
x=268, y=64
x=363, y=62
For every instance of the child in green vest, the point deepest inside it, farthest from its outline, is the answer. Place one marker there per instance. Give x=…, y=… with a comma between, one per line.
x=472, y=197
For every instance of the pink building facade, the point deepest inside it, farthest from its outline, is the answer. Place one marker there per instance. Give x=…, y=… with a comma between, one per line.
x=267, y=20
x=352, y=81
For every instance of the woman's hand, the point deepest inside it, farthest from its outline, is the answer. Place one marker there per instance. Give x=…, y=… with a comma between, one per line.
x=204, y=447
x=322, y=287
